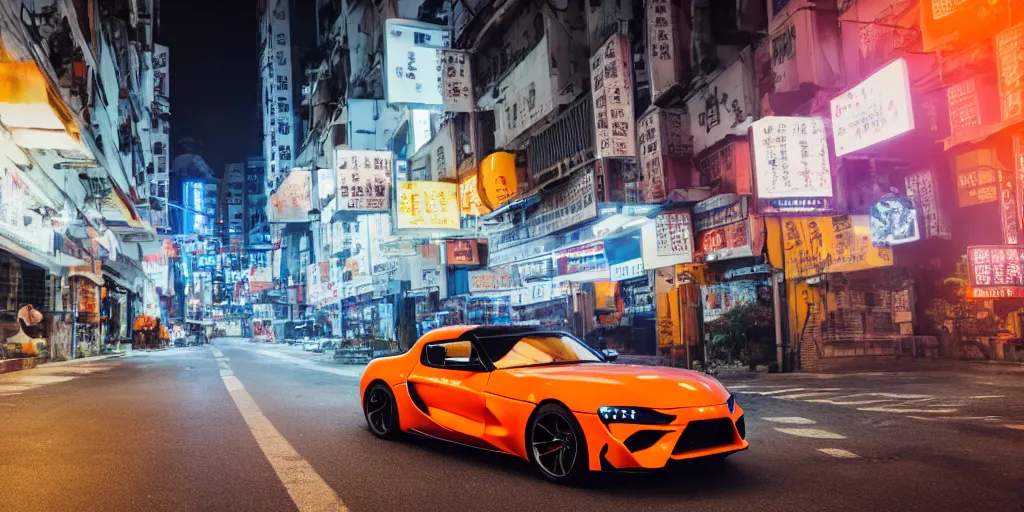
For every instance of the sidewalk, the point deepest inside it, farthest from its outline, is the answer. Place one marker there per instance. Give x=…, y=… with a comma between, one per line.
x=28, y=363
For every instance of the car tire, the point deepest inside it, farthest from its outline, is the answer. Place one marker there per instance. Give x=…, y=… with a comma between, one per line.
x=557, y=446
x=381, y=411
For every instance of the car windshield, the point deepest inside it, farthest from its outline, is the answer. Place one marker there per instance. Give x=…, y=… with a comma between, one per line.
x=536, y=350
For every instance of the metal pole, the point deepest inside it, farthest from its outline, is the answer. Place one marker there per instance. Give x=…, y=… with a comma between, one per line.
x=777, y=306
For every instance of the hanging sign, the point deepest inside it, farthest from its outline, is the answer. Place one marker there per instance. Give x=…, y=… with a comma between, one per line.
x=1009, y=47
x=727, y=169
x=498, y=180
x=827, y=245
x=536, y=270
x=457, y=89
x=722, y=108
x=469, y=198
x=894, y=222
x=1009, y=210
x=668, y=240
x=612, y=86
x=363, y=180
x=995, y=271
x=921, y=191
x=463, y=252
x=624, y=258
x=718, y=211
x=977, y=186
x=576, y=202
x=662, y=137
x=427, y=205
x=663, y=54
x=412, y=66
x=725, y=242
x=791, y=164
x=873, y=111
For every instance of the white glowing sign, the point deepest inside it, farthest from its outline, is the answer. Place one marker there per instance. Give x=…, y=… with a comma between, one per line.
x=412, y=67
x=791, y=162
x=875, y=110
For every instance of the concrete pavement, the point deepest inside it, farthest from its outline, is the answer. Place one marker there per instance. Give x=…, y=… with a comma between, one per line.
x=234, y=427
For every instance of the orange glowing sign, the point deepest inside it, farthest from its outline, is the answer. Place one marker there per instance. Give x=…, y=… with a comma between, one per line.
x=498, y=181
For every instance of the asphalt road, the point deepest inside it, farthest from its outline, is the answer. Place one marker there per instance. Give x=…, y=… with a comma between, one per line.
x=176, y=431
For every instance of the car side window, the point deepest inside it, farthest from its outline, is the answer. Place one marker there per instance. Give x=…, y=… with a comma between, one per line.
x=457, y=355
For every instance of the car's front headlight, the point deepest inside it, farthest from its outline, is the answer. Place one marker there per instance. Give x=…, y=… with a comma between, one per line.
x=633, y=415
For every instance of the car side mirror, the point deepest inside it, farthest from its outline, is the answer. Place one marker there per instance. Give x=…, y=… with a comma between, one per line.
x=610, y=355
x=436, y=355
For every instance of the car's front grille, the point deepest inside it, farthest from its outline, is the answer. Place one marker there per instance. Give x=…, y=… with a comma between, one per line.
x=703, y=434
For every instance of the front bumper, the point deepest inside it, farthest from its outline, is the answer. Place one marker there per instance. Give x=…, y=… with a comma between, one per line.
x=696, y=432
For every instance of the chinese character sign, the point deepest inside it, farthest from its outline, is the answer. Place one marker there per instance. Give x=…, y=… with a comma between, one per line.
x=363, y=180
x=413, y=73
x=458, y=87
x=612, y=85
x=921, y=191
x=661, y=134
x=673, y=231
x=875, y=110
x=791, y=158
x=1009, y=48
x=662, y=54
x=996, y=265
x=292, y=201
x=428, y=205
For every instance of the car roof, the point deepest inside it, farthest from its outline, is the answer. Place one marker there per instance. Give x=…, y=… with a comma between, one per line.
x=459, y=331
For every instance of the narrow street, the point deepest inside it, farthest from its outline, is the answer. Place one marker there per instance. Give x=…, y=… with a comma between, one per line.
x=222, y=427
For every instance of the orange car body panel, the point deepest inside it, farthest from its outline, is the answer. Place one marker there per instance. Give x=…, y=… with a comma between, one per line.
x=492, y=410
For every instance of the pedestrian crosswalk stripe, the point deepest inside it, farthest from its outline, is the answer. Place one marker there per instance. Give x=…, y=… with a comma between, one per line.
x=791, y=420
x=813, y=433
x=839, y=453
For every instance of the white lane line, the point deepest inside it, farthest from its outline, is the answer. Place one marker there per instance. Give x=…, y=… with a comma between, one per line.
x=306, y=488
x=774, y=392
x=807, y=395
x=311, y=365
x=907, y=411
x=813, y=433
x=957, y=418
x=217, y=352
x=791, y=420
x=839, y=453
x=984, y=397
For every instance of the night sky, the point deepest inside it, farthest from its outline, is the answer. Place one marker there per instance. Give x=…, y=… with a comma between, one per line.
x=214, y=48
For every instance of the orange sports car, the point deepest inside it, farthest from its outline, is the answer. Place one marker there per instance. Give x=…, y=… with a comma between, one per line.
x=548, y=398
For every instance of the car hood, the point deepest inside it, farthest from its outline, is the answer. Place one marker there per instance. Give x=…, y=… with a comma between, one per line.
x=585, y=387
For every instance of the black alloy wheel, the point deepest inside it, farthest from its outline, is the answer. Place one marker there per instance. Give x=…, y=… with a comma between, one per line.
x=557, y=446
x=381, y=411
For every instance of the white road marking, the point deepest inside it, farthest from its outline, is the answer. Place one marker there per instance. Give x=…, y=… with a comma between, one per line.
x=985, y=397
x=305, y=487
x=813, y=433
x=311, y=365
x=957, y=418
x=791, y=420
x=217, y=352
x=907, y=411
x=1015, y=427
x=839, y=453
x=775, y=392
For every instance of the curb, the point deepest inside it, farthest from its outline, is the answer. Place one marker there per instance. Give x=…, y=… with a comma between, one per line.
x=82, y=360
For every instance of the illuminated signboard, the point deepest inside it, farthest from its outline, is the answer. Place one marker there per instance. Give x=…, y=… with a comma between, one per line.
x=875, y=110
x=412, y=67
x=428, y=205
x=996, y=271
x=362, y=179
x=791, y=164
x=894, y=221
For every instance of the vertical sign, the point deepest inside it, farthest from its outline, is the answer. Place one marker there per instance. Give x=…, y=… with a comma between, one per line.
x=612, y=86
x=413, y=70
x=1010, y=63
x=661, y=46
x=673, y=234
x=1008, y=208
x=921, y=191
x=661, y=136
x=1018, y=166
x=964, y=107
x=457, y=91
